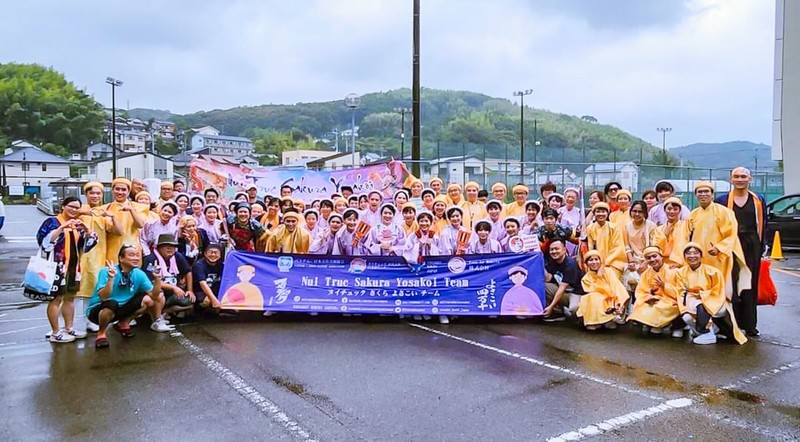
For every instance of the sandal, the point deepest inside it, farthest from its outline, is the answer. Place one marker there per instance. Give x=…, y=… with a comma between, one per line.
x=101, y=342
x=125, y=332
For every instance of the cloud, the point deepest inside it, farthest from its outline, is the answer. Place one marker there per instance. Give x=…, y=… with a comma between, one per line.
x=703, y=67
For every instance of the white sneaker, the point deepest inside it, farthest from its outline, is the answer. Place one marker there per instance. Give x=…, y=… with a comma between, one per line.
x=677, y=333
x=76, y=333
x=132, y=323
x=443, y=319
x=48, y=334
x=92, y=327
x=656, y=331
x=705, y=339
x=592, y=327
x=160, y=326
x=268, y=313
x=619, y=320
x=611, y=325
x=426, y=317
x=61, y=337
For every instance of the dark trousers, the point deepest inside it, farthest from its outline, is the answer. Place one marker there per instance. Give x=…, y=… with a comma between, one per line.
x=744, y=304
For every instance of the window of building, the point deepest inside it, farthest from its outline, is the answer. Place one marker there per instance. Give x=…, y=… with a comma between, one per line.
x=128, y=172
x=44, y=167
x=26, y=167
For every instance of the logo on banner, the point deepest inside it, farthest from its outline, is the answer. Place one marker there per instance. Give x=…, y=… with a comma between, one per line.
x=456, y=264
x=358, y=265
x=281, y=291
x=285, y=263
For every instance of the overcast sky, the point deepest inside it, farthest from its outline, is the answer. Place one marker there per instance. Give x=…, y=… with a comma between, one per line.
x=702, y=67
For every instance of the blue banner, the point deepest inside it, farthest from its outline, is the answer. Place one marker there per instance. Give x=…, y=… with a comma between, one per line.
x=497, y=284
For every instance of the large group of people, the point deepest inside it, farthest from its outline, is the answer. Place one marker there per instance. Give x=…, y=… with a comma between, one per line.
x=649, y=261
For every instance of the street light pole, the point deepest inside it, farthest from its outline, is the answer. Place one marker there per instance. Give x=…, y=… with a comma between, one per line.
x=402, y=111
x=416, y=138
x=114, y=84
x=352, y=101
x=664, y=131
x=521, y=95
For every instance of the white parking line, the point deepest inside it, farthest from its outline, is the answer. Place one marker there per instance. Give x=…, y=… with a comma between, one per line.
x=534, y=361
x=24, y=329
x=267, y=407
x=758, y=377
x=621, y=421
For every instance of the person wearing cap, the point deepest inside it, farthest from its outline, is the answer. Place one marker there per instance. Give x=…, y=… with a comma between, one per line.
x=311, y=222
x=400, y=199
x=494, y=210
x=178, y=186
x=621, y=217
x=428, y=195
x=532, y=219
x=611, y=189
x=167, y=222
x=182, y=200
x=192, y=241
x=511, y=226
x=555, y=201
x=99, y=220
x=129, y=216
x=702, y=299
x=437, y=185
x=423, y=241
x=656, y=305
x=665, y=191
x=607, y=239
x=569, y=214
x=386, y=238
x=454, y=197
x=372, y=215
x=409, y=223
x=450, y=235
x=324, y=242
x=196, y=204
x=290, y=237
x=439, y=216
x=207, y=275
x=674, y=233
x=252, y=193
x=241, y=230
x=750, y=210
x=499, y=192
x=175, y=273
x=474, y=210
x=604, y=302
x=483, y=244
x=167, y=191
x=715, y=228
x=416, y=188
x=347, y=242
x=210, y=222
x=516, y=208
x=520, y=300
x=562, y=278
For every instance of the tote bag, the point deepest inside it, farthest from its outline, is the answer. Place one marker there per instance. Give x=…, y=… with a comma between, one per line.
x=39, y=277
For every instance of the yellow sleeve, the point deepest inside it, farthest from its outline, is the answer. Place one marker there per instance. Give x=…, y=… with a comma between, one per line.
x=728, y=228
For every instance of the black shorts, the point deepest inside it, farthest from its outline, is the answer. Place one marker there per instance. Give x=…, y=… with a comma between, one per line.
x=124, y=311
x=171, y=300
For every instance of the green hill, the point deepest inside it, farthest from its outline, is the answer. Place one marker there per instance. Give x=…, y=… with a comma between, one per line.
x=727, y=155
x=453, y=123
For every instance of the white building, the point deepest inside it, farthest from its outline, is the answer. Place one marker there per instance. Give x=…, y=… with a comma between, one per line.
x=786, y=104
x=220, y=145
x=136, y=165
x=625, y=173
x=320, y=159
x=98, y=151
x=130, y=141
x=31, y=168
x=456, y=169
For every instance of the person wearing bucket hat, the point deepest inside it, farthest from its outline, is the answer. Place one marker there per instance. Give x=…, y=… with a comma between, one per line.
x=703, y=303
x=129, y=216
x=474, y=210
x=428, y=196
x=439, y=215
x=484, y=244
x=532, y=218
x=386, y=238
x=348, y=241
x=607, y=239
x=167, y=222
x=290, y=236
x=499, y=191
x=437, y=185
x=604, y=302
x=454, y=194
x=166, y=192
x=656, y=305
x=622, y=216
x=324, y=242
x=408, y=221
x=516, y=208
x=175, y=272
x=674, y=233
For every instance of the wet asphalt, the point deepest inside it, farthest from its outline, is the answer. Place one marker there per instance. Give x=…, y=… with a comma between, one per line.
x=246, y=377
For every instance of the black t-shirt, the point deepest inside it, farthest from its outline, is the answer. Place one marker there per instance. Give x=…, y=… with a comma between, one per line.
x=183, y=268
x=211, y=274
x=567, y=272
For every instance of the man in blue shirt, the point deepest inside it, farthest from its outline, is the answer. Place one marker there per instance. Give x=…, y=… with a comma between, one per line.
x=562, y=282
x=122, y=293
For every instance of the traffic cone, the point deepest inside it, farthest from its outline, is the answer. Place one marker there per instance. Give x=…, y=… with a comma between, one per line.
x=777, y=252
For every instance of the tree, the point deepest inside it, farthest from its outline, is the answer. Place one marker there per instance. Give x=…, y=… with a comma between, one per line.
x=589, y=119
x=39, y=105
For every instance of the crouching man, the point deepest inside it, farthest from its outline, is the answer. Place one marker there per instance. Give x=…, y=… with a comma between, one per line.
x=656, y=306
x=124, y=292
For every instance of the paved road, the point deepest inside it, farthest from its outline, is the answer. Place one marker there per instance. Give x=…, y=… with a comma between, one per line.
x=330, y=378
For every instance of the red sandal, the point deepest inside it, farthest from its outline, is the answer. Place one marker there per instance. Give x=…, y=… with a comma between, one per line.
x=101, y=342
x=125, y=332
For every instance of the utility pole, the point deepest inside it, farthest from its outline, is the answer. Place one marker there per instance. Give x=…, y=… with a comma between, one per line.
x=664, y=131
x=114, y=84
x=416, y=137
x=521, y=95
x=402, y=111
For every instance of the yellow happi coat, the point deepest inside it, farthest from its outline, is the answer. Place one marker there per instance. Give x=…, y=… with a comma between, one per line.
x=620, y=217
x=716, y=226
x=473, y=212
x=514, y=209
x=672, y=245
x=705, y=286
x=130, y=232
x=603, y=291
x=283, y=241
x=408, y=230
x=663, y=312
x=607, y=239
x=95, y=259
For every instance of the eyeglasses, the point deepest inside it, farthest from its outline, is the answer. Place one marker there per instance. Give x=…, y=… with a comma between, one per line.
x=613, y=189
x=73, y=207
